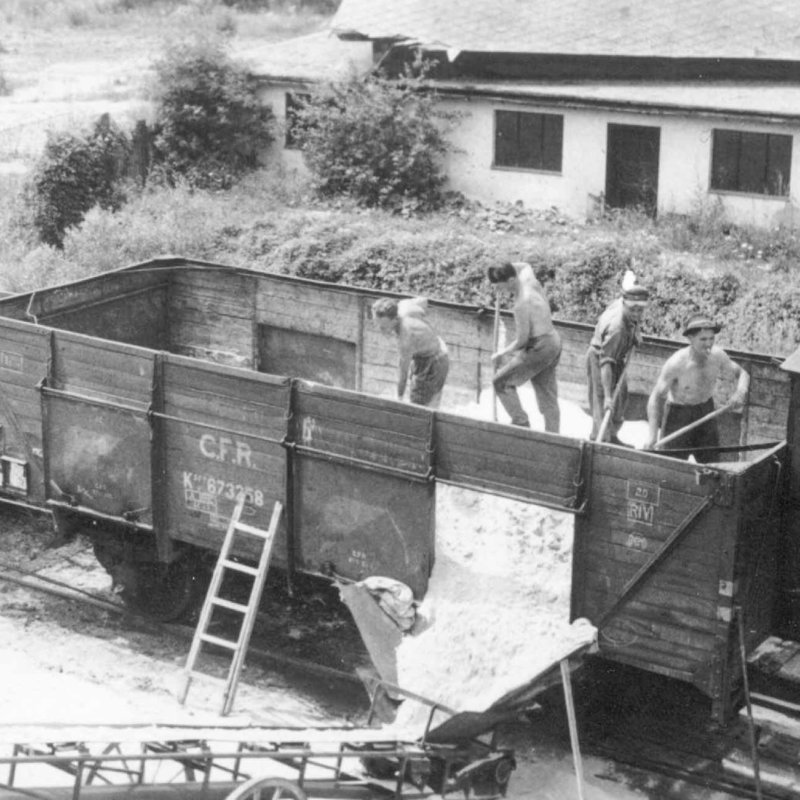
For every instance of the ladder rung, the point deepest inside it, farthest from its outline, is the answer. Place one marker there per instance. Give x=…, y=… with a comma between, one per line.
x=218, y=601
x=206, y=637
x=235, y=565
x=205, y=676
x=243, y=526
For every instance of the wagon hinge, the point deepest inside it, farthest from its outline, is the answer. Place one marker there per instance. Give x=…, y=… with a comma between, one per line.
x=723, y=495
x=580, y=500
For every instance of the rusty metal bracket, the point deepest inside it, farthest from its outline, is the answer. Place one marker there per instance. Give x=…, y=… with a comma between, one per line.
x=581, y=499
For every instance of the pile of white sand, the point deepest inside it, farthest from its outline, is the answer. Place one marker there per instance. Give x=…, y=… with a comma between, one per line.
x=497, y=607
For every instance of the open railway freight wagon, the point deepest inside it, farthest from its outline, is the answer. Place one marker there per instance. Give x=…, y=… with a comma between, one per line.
x=141, y=403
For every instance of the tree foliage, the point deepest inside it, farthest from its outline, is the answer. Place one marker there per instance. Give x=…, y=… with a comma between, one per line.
x=379, y=141
x=75, y=173
x=210, y=124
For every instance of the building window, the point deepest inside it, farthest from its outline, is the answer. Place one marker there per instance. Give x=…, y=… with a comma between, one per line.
x=529, y=141
x=294, y=102
x=756, y=163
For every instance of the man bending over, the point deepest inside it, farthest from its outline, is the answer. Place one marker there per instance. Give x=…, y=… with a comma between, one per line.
x=424, y=362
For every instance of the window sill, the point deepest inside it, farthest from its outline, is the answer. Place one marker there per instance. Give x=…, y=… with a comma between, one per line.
x=784, y=198
x=554, y=172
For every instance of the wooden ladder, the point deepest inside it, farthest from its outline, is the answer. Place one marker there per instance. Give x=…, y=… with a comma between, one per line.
x=213, y=600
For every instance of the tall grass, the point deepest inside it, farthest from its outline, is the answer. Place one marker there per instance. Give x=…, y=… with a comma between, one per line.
x=271, y=222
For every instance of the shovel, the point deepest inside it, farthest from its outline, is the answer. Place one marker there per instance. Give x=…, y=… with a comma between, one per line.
x=692, y=425
x=495, y=342
x=601, y=434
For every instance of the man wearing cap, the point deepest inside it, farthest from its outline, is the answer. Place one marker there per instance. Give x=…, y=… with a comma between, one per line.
x=687, y=380
x=535, y=351
x=615, y=335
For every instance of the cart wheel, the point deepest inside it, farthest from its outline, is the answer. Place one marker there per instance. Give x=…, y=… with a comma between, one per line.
x=267, y=789
x=165, y=592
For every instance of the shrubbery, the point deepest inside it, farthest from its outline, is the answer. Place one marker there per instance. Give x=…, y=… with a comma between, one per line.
x=210, y=122
x=75, y=173
x=378, y=141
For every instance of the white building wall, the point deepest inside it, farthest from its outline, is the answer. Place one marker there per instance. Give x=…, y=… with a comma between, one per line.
x=684, y=161
x=684, y=164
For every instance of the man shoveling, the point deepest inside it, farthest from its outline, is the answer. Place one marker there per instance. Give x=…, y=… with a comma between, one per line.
x=687, y=380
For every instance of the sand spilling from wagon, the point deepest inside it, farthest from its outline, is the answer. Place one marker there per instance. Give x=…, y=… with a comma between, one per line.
x=497, y=608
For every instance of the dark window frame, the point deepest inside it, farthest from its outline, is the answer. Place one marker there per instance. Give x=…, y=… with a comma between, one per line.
x=292, y=102
x=747, y=162
x=528, y=140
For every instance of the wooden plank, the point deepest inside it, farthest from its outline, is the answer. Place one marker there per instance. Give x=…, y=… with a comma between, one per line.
x=693, y=546
x=616, y=565
x=187, y=377
x=100, y=288
x=658, y=605
x=553, y=474
x=339, y=407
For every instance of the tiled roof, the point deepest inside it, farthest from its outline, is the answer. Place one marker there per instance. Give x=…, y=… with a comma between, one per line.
x=747, y=29
x=759, y=100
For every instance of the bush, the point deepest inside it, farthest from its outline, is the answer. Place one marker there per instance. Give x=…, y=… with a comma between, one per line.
x=375, y=140
x=75, y=173
x=210, y=124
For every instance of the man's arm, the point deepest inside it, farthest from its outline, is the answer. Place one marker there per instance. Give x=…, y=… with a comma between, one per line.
x=523, y=324
x=742, y=376
x=607, y=380
x=656, y=403
x=402, y=372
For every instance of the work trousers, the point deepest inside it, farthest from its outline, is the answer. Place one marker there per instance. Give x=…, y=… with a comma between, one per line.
x=597, y=395
x=536, y=363
x=703, y=436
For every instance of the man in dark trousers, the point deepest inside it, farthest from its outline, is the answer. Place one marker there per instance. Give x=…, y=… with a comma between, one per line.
x=617, y=332
x=534, y=353
x=687, y=380
x=424, y=362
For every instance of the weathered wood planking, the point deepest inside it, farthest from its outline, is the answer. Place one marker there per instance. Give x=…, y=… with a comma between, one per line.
x=87, y=293
x=339, y=423
x=360, y=523
x=137, y=318
x=24, y=356
x=211, y=315
x=679, y=618
x=102, y=368
x=221, y=431
x=525, y=464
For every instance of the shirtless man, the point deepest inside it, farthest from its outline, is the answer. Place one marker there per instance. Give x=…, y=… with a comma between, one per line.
x=423, y=354
x=687, y=379
x=535, y=351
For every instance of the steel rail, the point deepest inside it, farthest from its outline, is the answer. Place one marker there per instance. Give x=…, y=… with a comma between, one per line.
x=50, y=586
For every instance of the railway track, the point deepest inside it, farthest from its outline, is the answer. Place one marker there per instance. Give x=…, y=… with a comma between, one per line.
x=672, y=749
x=262, y=650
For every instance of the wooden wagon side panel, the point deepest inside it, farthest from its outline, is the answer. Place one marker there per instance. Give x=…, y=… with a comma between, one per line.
x=363, y=497
x=210, y=315
x=309, y=331
x=220, y=433
x=24, y=358
x=526, y=465
x=96, y=428
x=754, y=587
x=128, y=307
x=669, y=622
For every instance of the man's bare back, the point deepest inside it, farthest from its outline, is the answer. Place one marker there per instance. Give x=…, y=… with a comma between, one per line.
x=415, y=335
